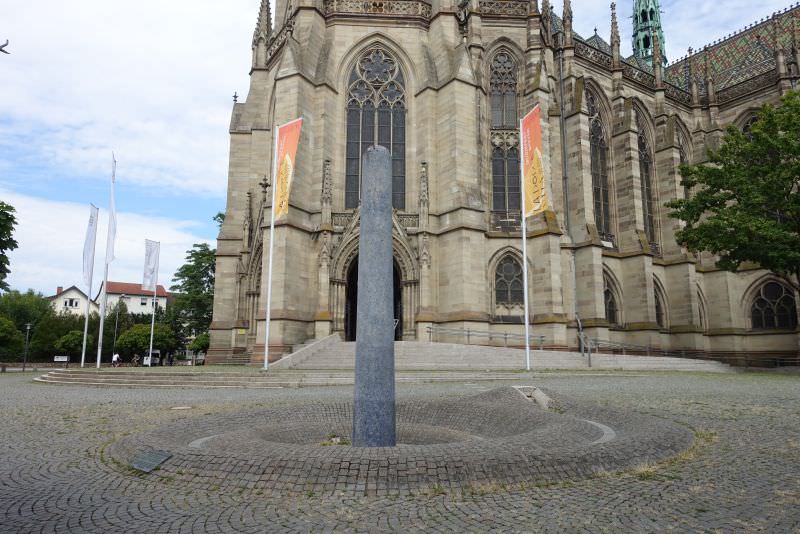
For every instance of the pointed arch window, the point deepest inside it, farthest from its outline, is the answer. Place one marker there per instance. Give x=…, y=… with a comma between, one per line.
x=505, y=139
x=503, y=91
x=612, y=309
x=646, y=176
x=661, y=310
x=508, y=284
x=599, y=167
x=774, y=308
x=376, y=115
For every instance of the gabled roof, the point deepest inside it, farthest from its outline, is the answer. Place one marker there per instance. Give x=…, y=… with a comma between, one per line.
x=125, y=288
x=595, y=41
x=76, y=288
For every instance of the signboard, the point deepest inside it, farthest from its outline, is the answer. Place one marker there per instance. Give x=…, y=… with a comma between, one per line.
x=288, y=139
x=61, y=359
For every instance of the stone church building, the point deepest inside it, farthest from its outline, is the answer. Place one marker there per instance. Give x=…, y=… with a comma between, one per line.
x=443, y=84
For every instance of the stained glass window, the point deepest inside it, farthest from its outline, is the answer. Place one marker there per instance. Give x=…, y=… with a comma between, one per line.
x=376, y=115
x=612, y=311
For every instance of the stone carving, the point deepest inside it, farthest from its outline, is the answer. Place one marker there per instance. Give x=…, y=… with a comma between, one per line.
x=327, y=193
x=592, y=54
x=424, y=253
x=504, y=7
x=423, y=184
x=462, y=15
x=325, y=250
x=505, y=139
x=377, y=7
x=639, y=76
x=277, y=41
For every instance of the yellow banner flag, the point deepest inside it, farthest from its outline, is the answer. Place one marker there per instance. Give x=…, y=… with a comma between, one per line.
x=288, y=139
x=533, y=186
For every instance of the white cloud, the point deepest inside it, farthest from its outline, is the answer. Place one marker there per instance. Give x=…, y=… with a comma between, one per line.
x=150, y=79
x=51, y=235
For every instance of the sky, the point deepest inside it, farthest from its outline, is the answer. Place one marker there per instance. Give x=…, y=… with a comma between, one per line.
x=152, y=81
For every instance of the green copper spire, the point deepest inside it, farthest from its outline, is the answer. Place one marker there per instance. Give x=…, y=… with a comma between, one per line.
x=646, y=27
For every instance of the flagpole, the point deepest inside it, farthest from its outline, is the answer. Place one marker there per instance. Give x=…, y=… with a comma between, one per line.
x=93, y=214
x=153, y=320
x=524, y=249
x=111, y=236
x=271, y=242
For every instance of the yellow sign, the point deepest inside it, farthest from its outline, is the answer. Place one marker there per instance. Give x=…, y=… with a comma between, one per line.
x=533, y=184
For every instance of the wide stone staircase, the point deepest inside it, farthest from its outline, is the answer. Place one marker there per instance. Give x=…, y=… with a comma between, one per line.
x=333, y=353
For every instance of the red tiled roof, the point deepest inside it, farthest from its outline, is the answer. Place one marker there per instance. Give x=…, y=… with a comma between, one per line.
x=124, y=288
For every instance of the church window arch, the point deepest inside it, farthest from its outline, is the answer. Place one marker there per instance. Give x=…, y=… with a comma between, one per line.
x=660, y=305
x=598, y=147
x=376, y=115
x=611, y=300
x=774, y=307
x=509, y=292
x=503, y=81
x=647, y=182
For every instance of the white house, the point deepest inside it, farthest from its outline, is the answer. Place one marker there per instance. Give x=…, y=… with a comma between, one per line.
x=72, y=300
x=136, y=299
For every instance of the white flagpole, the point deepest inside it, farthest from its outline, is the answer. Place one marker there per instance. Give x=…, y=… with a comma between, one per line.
x=155, y=305
x=92, y=228
x=524, y=248
x=112, y=231
x=271, y=242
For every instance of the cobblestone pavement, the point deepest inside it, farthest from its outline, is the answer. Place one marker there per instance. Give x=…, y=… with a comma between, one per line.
x=742, y=475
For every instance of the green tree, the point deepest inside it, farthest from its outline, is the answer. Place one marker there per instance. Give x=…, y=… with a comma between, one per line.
x=12, y=342
x=71, y=343
x=745, y=202
x=194, y=281
x=48, y=330
x=7, y=241
x=136, y=340
x=23, y=308
x=200, y=343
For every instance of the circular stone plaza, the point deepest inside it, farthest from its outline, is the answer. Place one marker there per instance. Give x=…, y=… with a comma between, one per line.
x=549, y=451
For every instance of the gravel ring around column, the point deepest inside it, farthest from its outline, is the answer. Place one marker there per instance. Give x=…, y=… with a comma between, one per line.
x=496, y=437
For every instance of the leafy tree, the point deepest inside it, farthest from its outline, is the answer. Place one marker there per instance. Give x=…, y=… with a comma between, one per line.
x=71, y=343
x=23, y=308
x=48, y=330
x=745, y=205
x=195, y=283
x=136, y=340
x=12, y=342
x=7, y=241
x=200, y=343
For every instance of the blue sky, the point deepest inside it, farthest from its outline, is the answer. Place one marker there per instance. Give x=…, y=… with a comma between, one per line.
x=153, y=81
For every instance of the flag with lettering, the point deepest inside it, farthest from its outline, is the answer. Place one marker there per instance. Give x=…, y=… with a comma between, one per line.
x=288, y=139
x=533, y=183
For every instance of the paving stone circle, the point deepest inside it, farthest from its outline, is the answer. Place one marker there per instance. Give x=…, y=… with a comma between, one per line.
x=493, y=437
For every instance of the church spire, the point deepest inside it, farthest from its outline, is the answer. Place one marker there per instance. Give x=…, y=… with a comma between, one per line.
x=646, y=28
x=264, y=24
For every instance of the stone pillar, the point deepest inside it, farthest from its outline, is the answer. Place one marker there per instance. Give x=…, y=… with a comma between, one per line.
x=374, y=402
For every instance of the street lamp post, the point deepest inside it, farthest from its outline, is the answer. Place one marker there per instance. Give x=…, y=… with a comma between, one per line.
x=116, y=324
x=27, y=337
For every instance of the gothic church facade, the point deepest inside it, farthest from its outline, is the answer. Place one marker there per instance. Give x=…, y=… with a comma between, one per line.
x=442, y=84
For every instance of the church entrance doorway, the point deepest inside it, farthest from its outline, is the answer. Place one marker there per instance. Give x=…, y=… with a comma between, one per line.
x=351, y=302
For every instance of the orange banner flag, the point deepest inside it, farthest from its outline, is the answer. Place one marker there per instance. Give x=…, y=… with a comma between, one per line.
x=533, y=185
x=288, y=139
